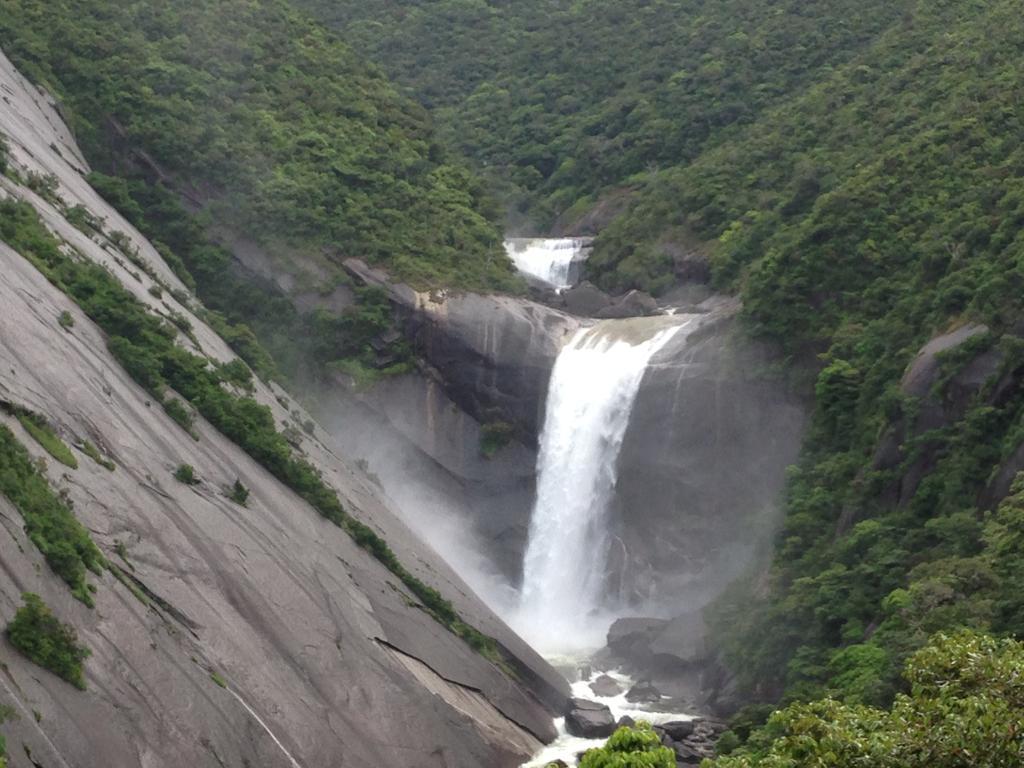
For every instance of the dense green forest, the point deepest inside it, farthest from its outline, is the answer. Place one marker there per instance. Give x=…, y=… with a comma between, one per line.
x=558, y=101
x=263, y=117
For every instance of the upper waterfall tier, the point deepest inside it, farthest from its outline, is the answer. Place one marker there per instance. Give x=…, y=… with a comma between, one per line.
x=555, y=261
x=593, y=385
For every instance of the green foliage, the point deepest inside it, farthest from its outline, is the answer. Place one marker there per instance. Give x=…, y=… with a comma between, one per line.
x=66, y=320
x=962, y=711
x=638, y=747
x=218, y=680
x=292, y=138
x=528, y=89
x=186, y=473
x=93, y=453
x=40, y=635
x=181, y=414
x=43, y=434
x=239, y=493
x=6, y=713
x=49, y=521
x=494, y=436
x=5, y=150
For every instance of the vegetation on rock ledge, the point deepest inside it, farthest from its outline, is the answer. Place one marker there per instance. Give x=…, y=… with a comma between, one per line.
x=49, y=521
x=40, y=635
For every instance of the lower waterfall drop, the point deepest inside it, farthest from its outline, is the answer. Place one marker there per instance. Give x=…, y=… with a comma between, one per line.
x=547, y=259
x=593, y=385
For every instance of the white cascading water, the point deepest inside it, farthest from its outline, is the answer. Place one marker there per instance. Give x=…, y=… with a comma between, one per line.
x=547, y=259
x=593, y=385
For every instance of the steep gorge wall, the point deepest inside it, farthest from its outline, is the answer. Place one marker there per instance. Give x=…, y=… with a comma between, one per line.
x=326, y=659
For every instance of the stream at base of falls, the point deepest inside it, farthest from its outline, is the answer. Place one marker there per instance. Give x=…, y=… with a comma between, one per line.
x=567, y=747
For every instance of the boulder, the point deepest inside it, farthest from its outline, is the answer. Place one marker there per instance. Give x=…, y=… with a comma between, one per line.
x=633, y=635
x=643, y=692
x=680, y=641
x=605, y=686
x=633, y=304
x=687, y=755
x=678, y=730
x=589, y=719
x=625, y=722
x=586, y=300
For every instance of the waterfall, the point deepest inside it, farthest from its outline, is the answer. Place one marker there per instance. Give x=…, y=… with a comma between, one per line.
x=593, y=385
x=547, y=259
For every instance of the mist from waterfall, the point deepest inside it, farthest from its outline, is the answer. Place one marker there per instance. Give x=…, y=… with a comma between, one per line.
x=547, y=259
x=593, y=385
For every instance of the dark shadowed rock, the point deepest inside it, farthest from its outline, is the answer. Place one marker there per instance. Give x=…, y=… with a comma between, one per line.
x=589, y=719
x=627, y=632
x=678, y=730
x=691, y=266
x=681, y=641
x=625, y=721
x=687, y=755
x=493, y=354
x=605, y=686
x=701, y=465
x=643, y=692
x=585, y=300
x=633, y=304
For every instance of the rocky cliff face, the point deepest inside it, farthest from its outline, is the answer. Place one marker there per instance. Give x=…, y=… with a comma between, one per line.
x=701, y=465
x=258, y=635
x=700, y=469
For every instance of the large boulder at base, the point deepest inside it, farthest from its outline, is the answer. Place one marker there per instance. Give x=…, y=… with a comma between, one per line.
x=680, y=641
x=606, y=686
x=589, y=720
x=677, y=730
x=631, y=636
x=586, y=300
x=643, y=691
x=632, y=304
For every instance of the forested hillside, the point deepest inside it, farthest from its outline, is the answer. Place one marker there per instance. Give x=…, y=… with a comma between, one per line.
x=557, y=101
x=852, y=171
x=253, y=110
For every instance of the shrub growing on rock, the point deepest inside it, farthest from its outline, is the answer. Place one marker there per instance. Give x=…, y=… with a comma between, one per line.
x=40, y=635
x=185, y=473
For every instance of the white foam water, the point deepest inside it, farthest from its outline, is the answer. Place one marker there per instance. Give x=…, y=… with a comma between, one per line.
x=566, y=746
x=593, y=385
x=547, y=259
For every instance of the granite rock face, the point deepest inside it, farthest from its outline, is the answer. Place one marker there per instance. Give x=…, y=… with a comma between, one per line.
x=325, y=657
x=493, y=354
x=701, y=465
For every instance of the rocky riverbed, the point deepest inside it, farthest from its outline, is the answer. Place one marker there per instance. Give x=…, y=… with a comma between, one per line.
x=605, y=699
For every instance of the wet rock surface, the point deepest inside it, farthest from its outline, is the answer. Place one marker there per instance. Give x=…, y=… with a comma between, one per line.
x=606, y=686
x=493, y=354
x=701, y=466
x=589, y=719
